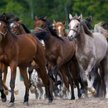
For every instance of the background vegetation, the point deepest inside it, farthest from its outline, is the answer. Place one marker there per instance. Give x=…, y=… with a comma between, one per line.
x=55, y=9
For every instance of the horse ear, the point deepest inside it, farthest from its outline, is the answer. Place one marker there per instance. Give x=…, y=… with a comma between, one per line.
x=80, y=17
x=54, y=21
x=45, y=17
x=20, y=21
x=4, y=16
x=90, y=18
x=70, y=16
x=64, y=22
x=36, y=18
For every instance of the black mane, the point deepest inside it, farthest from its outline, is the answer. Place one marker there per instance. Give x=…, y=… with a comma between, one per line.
x=25, y=28
x=86, y=29
x=50, y=27
x=11, y=18
x=105, y=25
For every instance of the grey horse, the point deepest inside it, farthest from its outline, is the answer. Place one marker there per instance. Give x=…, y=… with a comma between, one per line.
x=91, y=51
x=99, y=28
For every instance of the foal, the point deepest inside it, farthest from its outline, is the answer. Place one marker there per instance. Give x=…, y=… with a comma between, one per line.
x=60, y=28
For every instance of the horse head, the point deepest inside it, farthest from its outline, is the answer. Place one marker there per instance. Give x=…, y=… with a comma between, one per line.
x=3, y=26
x=60, y=28
x=40, y=23
x=74, y=26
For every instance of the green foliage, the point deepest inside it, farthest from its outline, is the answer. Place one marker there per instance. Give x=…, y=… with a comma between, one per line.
x=55, y=9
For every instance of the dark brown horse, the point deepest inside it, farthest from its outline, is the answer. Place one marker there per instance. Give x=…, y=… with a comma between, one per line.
x=11, y=54
x=59, y=51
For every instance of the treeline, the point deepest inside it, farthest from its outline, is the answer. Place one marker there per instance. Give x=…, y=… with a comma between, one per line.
x=55, y=9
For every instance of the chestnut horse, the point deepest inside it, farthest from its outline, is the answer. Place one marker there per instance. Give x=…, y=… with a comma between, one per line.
x=11, y=54
x=60, y=28
x=17, y=28
x=58, y=53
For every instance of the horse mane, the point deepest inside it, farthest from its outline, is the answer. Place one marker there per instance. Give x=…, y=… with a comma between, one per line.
x=25, y=28
x=86, y=29
x=88, y=22
x=105, y=25
x=40, y=34
x=50, y=28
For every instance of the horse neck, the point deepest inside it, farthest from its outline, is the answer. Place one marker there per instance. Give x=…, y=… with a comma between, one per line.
x=65, y=33
x=50, y=41
x=81, y=38
x=7, y=39
x=21, y=29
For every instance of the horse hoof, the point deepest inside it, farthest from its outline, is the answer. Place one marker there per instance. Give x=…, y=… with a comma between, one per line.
x=26, y=103
x=83, y=96
x=72, y=98
x=89, y=94
x=11, y=104
x=4, y=99
x=106, y=96
x=93, y=91
x=50, y=101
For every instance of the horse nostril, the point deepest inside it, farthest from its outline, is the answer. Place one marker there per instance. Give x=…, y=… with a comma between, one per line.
x=70, y=38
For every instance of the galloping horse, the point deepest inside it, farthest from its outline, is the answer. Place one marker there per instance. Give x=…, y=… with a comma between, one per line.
x=11, y=54
x=17, y=28
x=60, y=28
x=92, y=50
x=59, y=51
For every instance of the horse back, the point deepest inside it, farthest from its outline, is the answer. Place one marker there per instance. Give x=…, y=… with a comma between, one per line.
x=27, y=47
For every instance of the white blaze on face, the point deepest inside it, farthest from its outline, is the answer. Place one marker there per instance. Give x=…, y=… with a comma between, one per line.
x=12, y=25
x=59, y=30
x=0, y=23
x=72, y=28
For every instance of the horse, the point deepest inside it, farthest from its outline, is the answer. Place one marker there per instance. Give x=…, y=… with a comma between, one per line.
x=60, y=28
x=11, y=54
x=17, y=28
x=101, y=27
x=92, y=51
x=59, y=50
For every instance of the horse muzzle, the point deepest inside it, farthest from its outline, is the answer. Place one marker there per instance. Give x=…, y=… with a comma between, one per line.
x=71, y=38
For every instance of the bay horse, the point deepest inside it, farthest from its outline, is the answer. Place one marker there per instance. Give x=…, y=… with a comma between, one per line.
x=60, y=28
x=17, y=28
x=92, y=50
x=59, y=50
x=12, y=55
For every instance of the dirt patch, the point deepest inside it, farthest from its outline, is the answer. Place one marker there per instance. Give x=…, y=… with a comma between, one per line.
x=60, y=103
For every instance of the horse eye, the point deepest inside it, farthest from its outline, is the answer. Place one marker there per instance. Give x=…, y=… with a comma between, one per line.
x=77, y=26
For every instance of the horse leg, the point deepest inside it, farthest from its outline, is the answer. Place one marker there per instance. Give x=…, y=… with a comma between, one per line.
x=30, y=70
x=45, y=78
x=26, y=83
x=41, y=92
x=69, y=75
x=4, y=80
x=3, y=96
x=36, y=93
x=12, y=82
x=65, y=79
x=104, y=65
